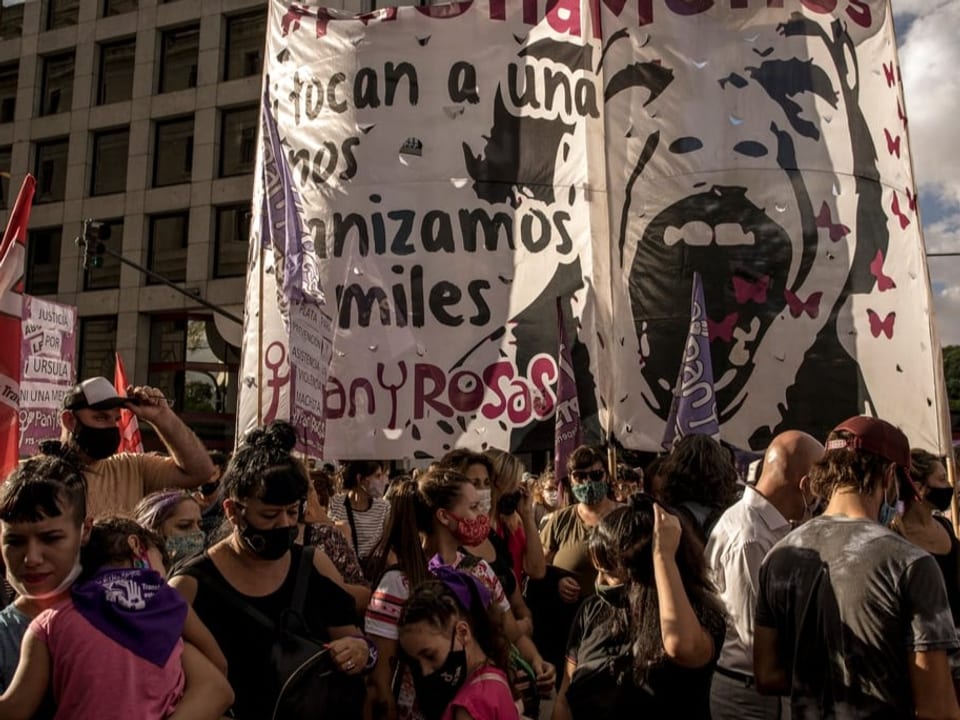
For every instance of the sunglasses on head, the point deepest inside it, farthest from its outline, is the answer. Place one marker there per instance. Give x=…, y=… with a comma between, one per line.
x=584, y=475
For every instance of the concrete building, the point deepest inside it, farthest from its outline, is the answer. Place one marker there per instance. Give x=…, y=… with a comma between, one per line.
x=142, y=115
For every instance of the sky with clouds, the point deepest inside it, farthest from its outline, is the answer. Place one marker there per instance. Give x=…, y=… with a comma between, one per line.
x=928, y=33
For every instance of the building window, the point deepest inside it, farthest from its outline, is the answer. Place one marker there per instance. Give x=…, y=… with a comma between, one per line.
x=119, y=7
x=116, y=71
x=168, y=246
x=110, y=161
x=62, y=13
x=238, y=140
x=173, y=152
x=178, y=58
x=196, y=369
x=245, y=39
x=43, y=261
x=107, y=276
x=56, y=88
x=98, y=346
x=6, y=154
x=51, y=170
x=11, y=20
x=8, y=91
x=232, y=241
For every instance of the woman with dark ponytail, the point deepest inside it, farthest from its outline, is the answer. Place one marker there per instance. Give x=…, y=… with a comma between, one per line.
x=457, y=650
x=646, y=644
x=245, y=584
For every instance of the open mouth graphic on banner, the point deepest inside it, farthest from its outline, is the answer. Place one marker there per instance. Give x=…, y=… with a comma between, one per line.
x=434, y=180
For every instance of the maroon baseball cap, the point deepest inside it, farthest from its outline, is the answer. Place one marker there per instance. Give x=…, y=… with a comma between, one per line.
x=876, y=436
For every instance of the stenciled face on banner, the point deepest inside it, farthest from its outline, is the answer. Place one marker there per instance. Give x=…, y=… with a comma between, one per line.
x=769, y=155
x=435, y=178
x=445, y=203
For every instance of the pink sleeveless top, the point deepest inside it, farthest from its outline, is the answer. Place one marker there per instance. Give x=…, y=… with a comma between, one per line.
x=485, y=695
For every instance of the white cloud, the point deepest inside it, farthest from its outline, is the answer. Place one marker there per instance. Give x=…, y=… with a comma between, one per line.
x=929, y=56
x=943, y=235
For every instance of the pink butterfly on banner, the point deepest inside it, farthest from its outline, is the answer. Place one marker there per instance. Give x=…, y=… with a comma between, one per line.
x=838, y=231
x=130, y=440
x=722, y=329
x=884, y=282
x=878, y=325
x=810, y=306
x=900, y=215
x=745, y=290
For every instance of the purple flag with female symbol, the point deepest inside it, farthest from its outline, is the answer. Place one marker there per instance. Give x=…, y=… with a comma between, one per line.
x=694, y=408
x=567, y=420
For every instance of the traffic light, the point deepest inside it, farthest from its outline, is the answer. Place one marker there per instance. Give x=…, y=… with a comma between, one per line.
x=91, y=243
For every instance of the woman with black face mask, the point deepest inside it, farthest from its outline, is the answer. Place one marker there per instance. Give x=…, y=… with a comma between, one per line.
x=456, y=651
x=925, y=497
x=243, y=585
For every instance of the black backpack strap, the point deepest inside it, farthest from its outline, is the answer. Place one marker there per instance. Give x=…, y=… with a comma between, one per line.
x=353, y=525
x=299, y=600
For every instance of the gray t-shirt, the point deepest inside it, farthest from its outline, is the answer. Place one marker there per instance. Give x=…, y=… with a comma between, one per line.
x=849, y=598
x=13, y=626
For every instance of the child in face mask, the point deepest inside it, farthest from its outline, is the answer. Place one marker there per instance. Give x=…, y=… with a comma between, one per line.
x=456, y=651
x=113, y=647
x=175, y=515
x=42, y=526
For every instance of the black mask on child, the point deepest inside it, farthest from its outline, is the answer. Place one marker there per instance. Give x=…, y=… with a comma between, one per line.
x=436, y=690
x=96, y=443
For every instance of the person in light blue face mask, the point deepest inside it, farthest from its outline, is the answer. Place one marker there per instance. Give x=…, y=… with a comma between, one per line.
x=175, y=515
x=849, y=614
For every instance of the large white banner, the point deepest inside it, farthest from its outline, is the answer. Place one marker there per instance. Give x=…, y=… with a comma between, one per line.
x=434, y=178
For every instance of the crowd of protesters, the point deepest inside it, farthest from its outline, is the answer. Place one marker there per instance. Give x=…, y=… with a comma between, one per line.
x=190, y=585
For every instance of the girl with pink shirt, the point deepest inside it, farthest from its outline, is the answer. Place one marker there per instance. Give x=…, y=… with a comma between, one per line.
x=113, y=647
x=456, y=650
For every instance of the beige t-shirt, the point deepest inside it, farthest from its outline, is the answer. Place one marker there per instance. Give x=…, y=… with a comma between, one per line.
x=566, y=534
x=117, y=483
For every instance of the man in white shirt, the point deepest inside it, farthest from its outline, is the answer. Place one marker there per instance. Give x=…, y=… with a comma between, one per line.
x=737, y=545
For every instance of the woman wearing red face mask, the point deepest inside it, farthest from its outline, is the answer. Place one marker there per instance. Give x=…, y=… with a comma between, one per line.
x=453, y=518
x=445, y=507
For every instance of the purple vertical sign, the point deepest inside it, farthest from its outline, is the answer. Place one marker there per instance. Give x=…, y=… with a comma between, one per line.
x=49, y=332
x=566, y=431
x=694, y=407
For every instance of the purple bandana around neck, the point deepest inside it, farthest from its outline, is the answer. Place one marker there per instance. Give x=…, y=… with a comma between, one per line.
x=459, y=583
x=135, y=608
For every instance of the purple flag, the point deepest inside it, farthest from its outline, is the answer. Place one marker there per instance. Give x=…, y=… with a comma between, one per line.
x=566, y=431
x=298, y=276
x=694, y=407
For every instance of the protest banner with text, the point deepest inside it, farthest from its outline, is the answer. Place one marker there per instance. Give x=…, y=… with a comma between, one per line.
x=433, y=179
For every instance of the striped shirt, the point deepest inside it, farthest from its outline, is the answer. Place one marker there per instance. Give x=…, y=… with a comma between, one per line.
x=366, y=526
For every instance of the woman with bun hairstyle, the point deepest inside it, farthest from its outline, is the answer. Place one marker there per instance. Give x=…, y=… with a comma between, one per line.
x=925, y=498
x=457, y=650
x=646, y=643
x=257, y=566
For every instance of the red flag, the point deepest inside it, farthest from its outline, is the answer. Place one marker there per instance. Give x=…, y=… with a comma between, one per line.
x=13, y=251
x=130, y=440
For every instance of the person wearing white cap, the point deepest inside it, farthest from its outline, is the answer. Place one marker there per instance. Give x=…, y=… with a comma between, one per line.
x=116, y=482
x=852, y=620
